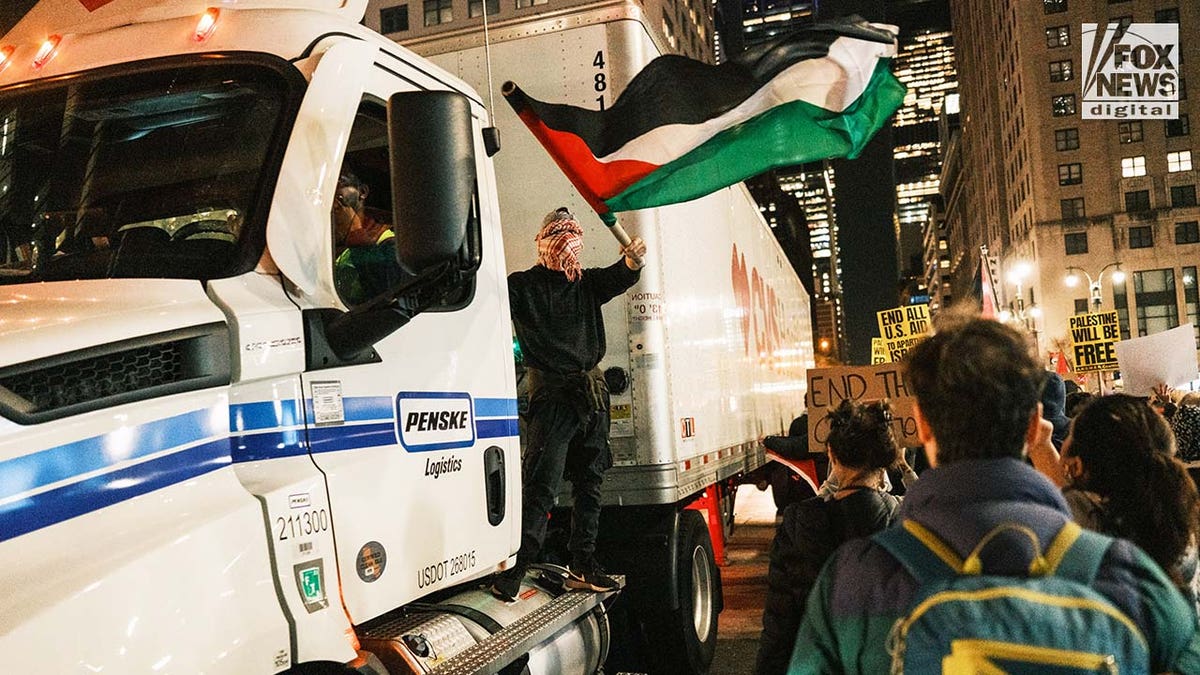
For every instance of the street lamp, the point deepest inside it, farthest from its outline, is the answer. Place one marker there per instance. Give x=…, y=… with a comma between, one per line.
x=1094, y=288
x=1027, y=316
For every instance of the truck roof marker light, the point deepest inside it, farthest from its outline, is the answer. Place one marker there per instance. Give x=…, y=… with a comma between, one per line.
x=47, y=51
x=207, y=24
x=6, y=53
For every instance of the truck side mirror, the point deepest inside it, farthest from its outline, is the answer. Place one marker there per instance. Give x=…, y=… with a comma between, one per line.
x=435, y=193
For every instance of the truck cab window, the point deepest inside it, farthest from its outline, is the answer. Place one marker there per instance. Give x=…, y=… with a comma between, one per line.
x=364, y=261
x=147, y=174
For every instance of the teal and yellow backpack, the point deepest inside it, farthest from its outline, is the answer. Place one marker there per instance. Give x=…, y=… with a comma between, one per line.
x=963, y=621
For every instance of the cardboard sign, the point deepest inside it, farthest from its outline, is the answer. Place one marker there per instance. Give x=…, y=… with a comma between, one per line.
x=1094, y=338
x=879, y=352
x=901, y=328
x=1168, y=357
x=827, y=387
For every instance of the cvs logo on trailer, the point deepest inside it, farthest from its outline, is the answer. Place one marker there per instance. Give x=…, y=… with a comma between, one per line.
x=434, y=420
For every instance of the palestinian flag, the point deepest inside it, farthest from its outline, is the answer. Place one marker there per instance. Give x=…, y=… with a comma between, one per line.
x=683, y=129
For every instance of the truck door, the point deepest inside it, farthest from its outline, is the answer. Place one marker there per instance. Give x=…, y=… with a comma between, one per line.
x=418, y=442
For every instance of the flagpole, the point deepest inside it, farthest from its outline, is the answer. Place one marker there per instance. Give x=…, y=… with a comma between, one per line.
x=621, y=236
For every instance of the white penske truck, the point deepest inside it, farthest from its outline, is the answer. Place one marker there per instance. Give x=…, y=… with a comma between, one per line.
x=216, y=456
x=703, y=391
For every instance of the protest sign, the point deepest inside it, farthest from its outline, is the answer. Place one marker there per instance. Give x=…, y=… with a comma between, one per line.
x=1094, y=337
x=1168, y=357
x=902, y=328
x=827, y=387
x=879, y=353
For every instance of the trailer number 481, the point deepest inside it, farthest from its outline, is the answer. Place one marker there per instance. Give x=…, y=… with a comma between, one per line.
x=600, y=82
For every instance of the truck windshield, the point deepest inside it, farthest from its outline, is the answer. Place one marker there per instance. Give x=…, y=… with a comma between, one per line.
x=157, y=173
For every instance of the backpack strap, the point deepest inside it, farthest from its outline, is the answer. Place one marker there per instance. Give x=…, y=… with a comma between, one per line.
x=1076, y=553
x=922, y=553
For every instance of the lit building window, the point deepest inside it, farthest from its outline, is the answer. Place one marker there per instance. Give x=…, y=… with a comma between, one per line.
x=1133, y=166
x=1063, y=105
x=1058, y=36
x=1179, y=161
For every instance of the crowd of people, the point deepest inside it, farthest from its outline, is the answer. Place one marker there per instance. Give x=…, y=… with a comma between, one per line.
x=1053, y=527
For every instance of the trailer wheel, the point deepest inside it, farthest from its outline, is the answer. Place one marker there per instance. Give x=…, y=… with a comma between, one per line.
x=683, y=640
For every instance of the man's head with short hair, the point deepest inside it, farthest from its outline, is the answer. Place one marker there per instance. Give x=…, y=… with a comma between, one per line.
x=977, y=387
x=349, y=200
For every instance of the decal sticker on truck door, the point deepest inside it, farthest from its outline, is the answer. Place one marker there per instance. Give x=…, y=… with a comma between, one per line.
x=328, y=407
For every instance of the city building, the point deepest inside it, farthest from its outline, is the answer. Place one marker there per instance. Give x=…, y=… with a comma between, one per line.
x=925, y=64
x=685, y=26
x=1059, y=198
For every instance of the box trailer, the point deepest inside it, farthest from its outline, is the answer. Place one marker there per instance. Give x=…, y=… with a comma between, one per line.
x=707, y=353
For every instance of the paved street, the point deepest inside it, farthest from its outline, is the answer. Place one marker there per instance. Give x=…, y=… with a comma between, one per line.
x=745, y=582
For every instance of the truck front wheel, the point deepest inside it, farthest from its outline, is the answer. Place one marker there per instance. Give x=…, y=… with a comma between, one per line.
x=684, y=640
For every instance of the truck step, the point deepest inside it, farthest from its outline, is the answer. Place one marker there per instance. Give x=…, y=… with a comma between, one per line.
x=519, y=637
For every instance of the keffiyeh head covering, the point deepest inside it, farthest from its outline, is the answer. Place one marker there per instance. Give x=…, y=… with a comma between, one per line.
x=560, y=242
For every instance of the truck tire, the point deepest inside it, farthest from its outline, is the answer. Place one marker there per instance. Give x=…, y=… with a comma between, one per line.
x=684, y=640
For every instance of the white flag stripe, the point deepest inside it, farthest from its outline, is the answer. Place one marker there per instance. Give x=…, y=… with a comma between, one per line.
x=833, y=82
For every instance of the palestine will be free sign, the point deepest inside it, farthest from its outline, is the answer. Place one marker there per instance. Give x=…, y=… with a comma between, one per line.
x=1095, y=337
x=901, y=328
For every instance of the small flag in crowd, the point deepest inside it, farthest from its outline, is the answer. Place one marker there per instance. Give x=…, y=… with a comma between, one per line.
x=987, y=286
x=683, y=129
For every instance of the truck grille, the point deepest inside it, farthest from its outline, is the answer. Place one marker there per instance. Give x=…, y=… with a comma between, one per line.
x=113, y=374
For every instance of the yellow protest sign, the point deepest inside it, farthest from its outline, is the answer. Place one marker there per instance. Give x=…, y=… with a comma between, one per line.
x=1094, y=338
x=827, y=387
x=879, y=353
x=902, y=328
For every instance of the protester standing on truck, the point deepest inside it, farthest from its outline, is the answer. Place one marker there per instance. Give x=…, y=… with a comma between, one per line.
x=556, y=315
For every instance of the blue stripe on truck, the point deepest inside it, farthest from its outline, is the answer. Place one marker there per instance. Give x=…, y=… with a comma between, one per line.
x=67, y=461
x=212, y=447
x=62, y=503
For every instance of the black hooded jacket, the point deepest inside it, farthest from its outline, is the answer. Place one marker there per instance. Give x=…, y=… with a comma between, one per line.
x=810, y=532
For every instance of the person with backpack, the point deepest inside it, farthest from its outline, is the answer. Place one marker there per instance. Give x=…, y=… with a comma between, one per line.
x=985, y=571
x=861, y=447
x=1119, y=475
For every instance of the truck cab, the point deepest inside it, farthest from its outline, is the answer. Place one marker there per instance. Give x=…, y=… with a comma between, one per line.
x=212, y=457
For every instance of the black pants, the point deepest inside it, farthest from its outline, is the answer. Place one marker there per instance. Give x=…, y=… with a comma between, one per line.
x=563, y=442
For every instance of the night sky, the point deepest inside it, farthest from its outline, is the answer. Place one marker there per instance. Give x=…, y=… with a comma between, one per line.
x=11, y=11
